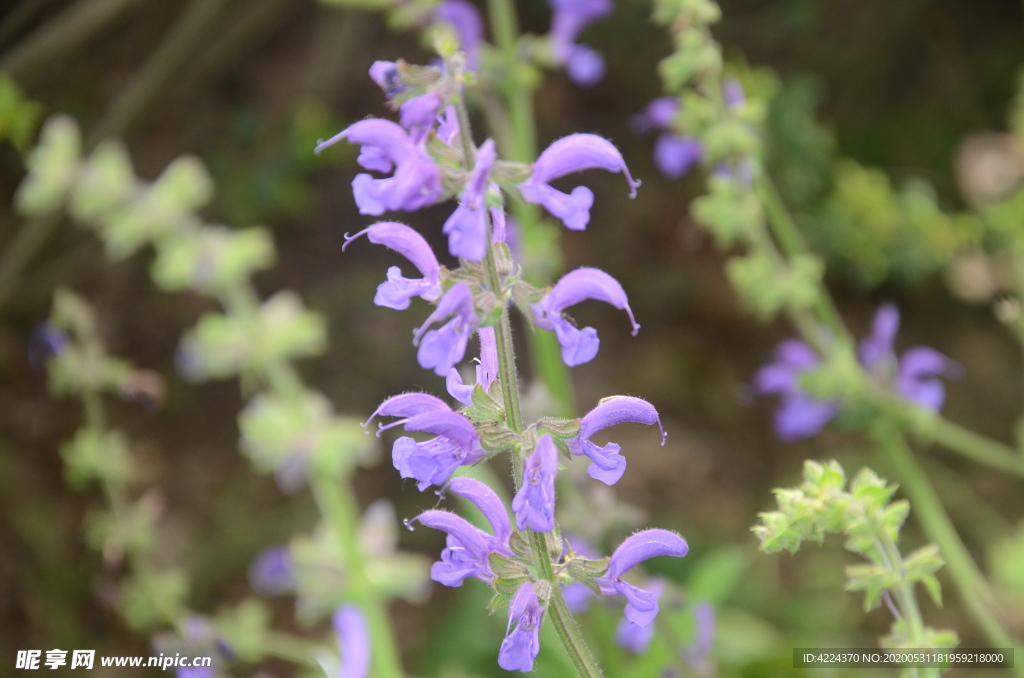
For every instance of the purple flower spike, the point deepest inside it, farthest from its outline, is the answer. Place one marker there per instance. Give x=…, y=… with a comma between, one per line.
x=606, y=464
x=522, y=643
x=799, y=415
x=271, y=572
x=354, y=641
x=635, y=638
x=466, y=228
x=486, y=370
x=534, y=503
x=465, y=19
x=398, y=291
x=579, y=346
x=440, y=349
x=641, y=606
x=485, y=499
x=573, y=153
x=416, y=182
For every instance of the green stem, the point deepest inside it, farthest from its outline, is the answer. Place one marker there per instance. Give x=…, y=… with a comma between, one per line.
x=905, y=595
x=289, y=648
x=979, y=448
x=928, y=510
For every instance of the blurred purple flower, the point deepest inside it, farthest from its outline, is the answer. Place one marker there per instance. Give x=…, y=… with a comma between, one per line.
x=641, y=605
x=522, y=643
x=354, y=640
x=579, y=346
x=606, y=464
x=674, y=155
x=465, y=19
x=416, y=181
x=385, y=74
x=534, y=503
x=574, y=153
x=799, y=415
x=397, y=290
x=271, y=572
x=703, y=634
x=45, y=342
x=419, y=114
x=583, y=65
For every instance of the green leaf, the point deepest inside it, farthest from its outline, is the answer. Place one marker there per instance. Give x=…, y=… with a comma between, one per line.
x=106, y=184
x=244, y=629
x=53, y=167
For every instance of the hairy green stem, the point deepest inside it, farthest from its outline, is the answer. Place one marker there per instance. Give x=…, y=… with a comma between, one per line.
x=905, y=595
x=928, y=509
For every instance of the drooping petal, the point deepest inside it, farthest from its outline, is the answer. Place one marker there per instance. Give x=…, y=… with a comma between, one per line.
x=534, y=503
x=578, y=152
x=466, y=229
x=397, y=291
x=675, y=155
x=485, y=499
x=641, y=605
x=879, y=346
x=606, y=464
x=354, y=640
x=634, y=637
x=522, y=638
x=406, y=405
x=440, y=349
x=460, y=529
x=644, y=546
x=431, y=462
x=456, y=566
x=573, y=209
x=451, y=425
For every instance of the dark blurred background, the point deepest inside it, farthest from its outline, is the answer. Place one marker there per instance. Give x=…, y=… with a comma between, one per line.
x=249, y=85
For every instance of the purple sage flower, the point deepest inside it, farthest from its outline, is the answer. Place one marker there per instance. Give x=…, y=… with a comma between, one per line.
x=486, y=369
x=915, y=375
x=534, y=503
x=272, y=572
x=466, y=228
x=416, y=181
x=674, y=155
x=799, y=415
x=522, y=636
x=419, y=114
x=354, y=640
x=573, y=153
x=430, y=462
x=440, y=349
x=583, y=65
x=579, y=346
x=641, y=605
x=465, y=19
x=468, y=548
x=633, y=637
x=397, y=290
x=606, y=464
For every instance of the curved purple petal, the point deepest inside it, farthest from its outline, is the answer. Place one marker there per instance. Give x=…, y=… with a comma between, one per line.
x=571, y=17
x=643, y=546
x=619, y=410
x=451, y=425
x=485, y=499
x=420, y=112
x=460, y=529
x=578, y=152
x=406, y=405
x=632, y=636
x=918, y=378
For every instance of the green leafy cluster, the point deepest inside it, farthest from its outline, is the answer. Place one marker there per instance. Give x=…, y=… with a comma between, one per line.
x=19, y=116
x=866, y=516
